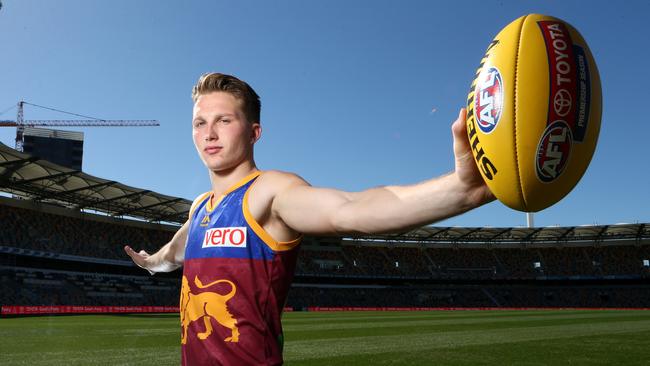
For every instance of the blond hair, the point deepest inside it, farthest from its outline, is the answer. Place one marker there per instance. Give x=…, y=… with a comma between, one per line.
x=216, y=82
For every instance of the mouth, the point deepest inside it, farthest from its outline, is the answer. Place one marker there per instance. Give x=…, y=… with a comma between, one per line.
x=211, y=150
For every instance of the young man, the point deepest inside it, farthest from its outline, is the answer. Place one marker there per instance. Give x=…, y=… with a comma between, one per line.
x=240, y=243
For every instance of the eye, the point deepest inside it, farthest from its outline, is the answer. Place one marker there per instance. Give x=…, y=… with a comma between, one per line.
x=199, y=123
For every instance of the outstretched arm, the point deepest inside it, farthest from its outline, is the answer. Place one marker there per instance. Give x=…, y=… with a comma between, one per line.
x=386, y=209
x=167, y=259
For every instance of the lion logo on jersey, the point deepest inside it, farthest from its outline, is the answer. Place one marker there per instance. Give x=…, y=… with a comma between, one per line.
x=207, y=305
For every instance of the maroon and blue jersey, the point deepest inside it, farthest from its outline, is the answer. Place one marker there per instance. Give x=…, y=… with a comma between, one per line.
x=235, y=283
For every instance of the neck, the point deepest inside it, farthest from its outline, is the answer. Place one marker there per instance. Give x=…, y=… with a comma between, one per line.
x=222, y=180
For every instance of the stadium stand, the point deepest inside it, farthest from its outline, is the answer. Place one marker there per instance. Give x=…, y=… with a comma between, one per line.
x=89, y=235
x=62, y=234
x=59, y=257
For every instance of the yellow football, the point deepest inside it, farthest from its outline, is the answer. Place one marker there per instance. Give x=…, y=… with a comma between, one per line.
x=533, y=112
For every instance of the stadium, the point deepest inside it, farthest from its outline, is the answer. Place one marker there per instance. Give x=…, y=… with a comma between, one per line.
x=63, y=232
x=354, y=94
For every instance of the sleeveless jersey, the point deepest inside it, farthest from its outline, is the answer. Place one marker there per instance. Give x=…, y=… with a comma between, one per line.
x=235, y=284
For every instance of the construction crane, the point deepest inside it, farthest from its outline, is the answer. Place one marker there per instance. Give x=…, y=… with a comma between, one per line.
x=20, y=123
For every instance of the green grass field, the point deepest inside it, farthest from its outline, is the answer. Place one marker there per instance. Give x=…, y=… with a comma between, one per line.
x=562, y=337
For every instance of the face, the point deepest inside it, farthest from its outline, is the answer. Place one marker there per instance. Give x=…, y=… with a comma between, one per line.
x=222, y=135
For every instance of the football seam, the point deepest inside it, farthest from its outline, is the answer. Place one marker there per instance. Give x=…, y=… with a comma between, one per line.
x=514, y=117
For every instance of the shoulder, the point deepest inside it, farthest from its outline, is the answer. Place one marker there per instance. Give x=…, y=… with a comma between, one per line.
x=264, y=194
x=272, y=185
x=276, y=181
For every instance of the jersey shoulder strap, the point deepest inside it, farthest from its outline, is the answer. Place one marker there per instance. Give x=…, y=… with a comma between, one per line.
x=196, y=203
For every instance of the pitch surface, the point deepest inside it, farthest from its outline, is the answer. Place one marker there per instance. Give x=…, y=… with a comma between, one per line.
x=342, y=338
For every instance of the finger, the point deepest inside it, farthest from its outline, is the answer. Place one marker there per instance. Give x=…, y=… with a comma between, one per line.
x=137, y=258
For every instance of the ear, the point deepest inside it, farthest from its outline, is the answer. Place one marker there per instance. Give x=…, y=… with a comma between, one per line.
x=256, y=132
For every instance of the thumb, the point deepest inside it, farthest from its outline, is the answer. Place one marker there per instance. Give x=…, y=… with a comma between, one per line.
x=461, y=142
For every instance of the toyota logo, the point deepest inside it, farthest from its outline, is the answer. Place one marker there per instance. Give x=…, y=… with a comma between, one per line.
x=562, y=102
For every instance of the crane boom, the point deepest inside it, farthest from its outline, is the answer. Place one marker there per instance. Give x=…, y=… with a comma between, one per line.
x=82, y=123
x=21, y=123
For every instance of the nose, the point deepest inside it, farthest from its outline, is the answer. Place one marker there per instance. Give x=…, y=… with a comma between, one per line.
x=212, y=133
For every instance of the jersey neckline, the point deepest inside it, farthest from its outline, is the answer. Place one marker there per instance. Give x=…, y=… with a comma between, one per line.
x=213, y=203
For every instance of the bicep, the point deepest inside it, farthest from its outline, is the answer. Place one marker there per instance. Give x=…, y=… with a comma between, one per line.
x=310, y=210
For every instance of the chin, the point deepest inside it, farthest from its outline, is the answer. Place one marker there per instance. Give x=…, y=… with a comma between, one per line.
x=213, y=165
x=217, y=166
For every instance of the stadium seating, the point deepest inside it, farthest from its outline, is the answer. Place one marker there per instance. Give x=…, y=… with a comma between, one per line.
x=24, y=228
x=587, y=274
x=42, y=287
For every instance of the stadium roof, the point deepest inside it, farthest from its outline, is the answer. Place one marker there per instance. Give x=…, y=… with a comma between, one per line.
x=35, y=179
x=517, y=236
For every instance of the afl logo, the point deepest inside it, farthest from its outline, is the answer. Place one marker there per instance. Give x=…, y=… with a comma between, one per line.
x=489, y=99
x=553, y=151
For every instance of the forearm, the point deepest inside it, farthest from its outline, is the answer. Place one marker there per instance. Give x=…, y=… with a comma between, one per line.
x=168, y=258
x=399, y=208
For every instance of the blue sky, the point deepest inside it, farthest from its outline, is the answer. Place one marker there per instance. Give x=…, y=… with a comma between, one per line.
x=347, y=88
